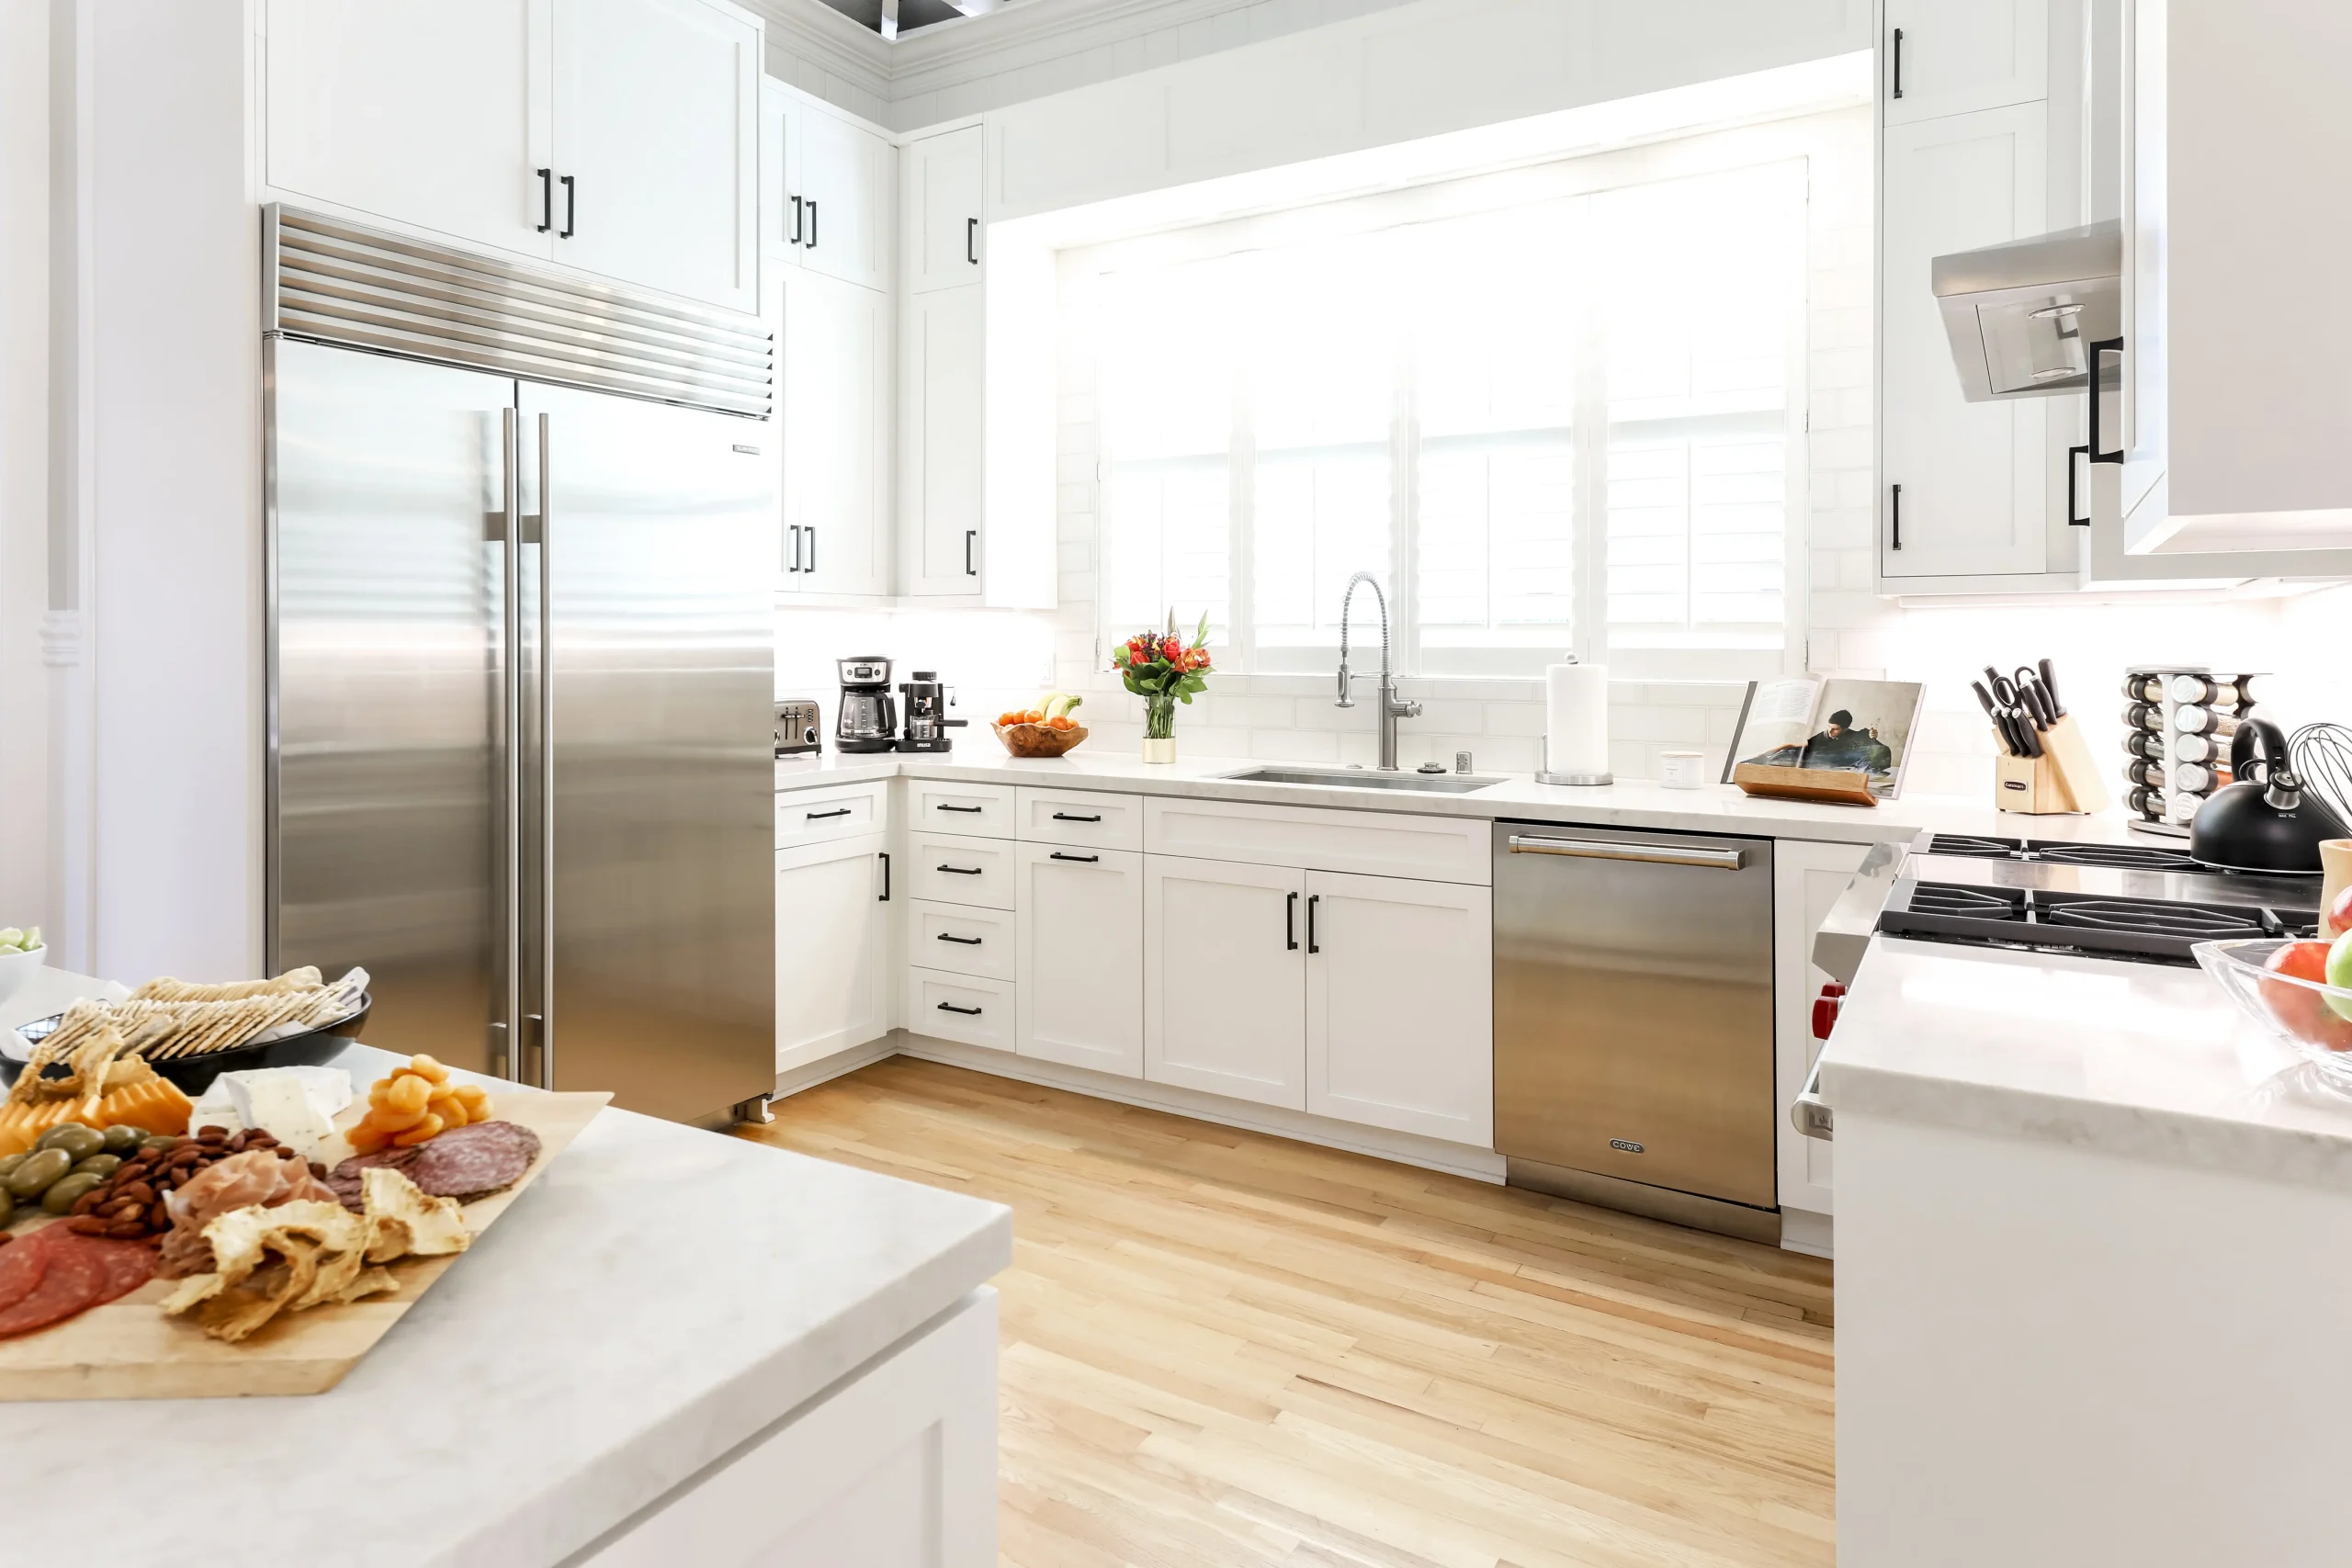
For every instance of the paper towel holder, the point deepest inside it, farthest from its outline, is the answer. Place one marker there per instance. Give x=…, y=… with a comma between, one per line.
x=1579, y=780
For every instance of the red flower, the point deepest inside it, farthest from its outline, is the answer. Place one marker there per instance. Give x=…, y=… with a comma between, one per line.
x=1172, y=649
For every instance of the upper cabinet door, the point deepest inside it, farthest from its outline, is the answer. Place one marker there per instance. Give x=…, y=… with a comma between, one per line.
x=657, y=125
x=783, y=218
x=844, y=189
x=421, y=113
x=942, y=209
x=940, y=433
x=1940, y=57
x=836, y=423
x=1964, y=488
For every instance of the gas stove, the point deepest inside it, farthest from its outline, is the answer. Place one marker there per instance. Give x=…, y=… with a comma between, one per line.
x=2138, y=903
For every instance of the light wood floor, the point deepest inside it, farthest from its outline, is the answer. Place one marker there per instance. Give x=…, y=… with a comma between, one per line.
x=1224, y=1349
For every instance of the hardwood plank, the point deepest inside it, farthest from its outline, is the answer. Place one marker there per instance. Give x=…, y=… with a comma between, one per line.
x=1228, y=1350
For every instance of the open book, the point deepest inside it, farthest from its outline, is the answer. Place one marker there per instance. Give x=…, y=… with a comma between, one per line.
x=1833, y=724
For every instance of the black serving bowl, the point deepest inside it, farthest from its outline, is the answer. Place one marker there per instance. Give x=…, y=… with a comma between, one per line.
x=195, y=1074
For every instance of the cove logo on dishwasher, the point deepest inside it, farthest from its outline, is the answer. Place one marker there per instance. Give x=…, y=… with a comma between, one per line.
x=1626, y=1146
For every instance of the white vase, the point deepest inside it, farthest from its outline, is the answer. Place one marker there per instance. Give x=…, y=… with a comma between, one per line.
x=1160, y=751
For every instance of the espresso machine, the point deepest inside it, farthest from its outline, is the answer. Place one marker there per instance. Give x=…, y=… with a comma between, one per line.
x=867, y=719
x=927, y=720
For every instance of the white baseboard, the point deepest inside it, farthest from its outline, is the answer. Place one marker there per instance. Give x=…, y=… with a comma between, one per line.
x=1804, y=1231
x=809, y=1075
x=1405, y=1148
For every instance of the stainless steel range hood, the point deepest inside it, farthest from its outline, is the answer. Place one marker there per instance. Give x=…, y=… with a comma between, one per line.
x=2022, y=316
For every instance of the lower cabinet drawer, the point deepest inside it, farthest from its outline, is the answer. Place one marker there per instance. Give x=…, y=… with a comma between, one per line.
x=949, y=869
x=963, y=939
x=968, y=1008
x=813, y=816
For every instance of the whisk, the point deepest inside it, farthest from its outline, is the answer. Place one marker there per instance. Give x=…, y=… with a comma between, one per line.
x=2322, y=754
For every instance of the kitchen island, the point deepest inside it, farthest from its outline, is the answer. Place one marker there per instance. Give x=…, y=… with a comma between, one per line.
x=2094, y=1259
x=677, y=1346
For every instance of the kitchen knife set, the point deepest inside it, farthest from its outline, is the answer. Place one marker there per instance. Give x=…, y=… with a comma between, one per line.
x=2021, y=707
x=2044, y=766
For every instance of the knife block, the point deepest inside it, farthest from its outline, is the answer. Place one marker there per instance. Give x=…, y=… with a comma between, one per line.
x=2034, y=785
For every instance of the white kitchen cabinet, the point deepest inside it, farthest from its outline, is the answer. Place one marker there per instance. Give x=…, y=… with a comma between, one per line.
x=656, y=115
x=940, y=391
x=826, y=191
x=1085, y=818
x=1807, y=877
x=1944, y=57
x=1224, y=978
x=971, y=1009
x=616, y=136
x=834, y=341
x=840, y=811
x=2233, y=463
x=964, y=939
x=940, y=214
x=981, y=810
x=1081, y=957
x=1400, y=1005
x=1971, y=495
x=832, y=948
x=951, y=869
x=433, y=113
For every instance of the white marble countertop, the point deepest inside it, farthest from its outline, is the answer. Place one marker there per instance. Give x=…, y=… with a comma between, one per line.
x=2146, y=1061
x=659, y=1295
x=1634, y=803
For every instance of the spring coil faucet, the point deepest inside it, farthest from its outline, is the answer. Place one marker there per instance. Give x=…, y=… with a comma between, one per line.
x=1392, y=708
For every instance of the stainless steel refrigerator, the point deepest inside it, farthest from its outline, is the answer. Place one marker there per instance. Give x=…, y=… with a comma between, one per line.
x=520, y=660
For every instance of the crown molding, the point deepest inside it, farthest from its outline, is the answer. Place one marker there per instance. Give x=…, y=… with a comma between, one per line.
x=816, y=32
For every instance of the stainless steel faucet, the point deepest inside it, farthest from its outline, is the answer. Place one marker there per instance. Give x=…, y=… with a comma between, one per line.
x=1392, y=708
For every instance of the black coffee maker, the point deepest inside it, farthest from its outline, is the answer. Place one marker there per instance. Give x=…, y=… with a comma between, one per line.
x=868, y=717
x=927, y=720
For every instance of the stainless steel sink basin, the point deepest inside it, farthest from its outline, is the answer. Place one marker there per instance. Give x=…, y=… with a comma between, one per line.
x=1364, y=778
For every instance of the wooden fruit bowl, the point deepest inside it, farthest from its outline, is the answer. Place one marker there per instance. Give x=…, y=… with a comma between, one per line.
x=1036, y=740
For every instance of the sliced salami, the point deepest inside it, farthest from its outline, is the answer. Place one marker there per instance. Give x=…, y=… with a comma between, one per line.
x=21, y=1267
x=128, y=1264
x=74, y=1280
x=474, y=1161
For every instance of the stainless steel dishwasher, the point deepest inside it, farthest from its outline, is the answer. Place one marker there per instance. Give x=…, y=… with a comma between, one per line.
x=1634, y=1022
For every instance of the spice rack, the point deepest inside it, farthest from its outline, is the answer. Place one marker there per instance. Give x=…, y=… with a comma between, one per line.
x=2178, y=722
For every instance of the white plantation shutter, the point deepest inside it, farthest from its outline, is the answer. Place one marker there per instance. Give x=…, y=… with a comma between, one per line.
x=1522, y=420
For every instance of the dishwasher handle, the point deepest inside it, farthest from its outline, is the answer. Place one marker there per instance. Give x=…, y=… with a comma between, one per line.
x=1605, y=849
x=1807, y=1112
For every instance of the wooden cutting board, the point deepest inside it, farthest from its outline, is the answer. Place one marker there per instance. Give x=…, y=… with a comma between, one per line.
x=129, y=1349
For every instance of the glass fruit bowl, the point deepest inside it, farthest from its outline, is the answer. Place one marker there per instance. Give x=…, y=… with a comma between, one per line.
x=2312, y=1017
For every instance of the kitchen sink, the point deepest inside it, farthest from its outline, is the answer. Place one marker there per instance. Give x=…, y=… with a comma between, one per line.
x=1364, y=778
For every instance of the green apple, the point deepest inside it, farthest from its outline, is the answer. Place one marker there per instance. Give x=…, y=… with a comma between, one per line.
x=2339, y=975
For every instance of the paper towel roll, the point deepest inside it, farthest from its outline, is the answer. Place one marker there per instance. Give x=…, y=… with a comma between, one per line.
x=1576, y=722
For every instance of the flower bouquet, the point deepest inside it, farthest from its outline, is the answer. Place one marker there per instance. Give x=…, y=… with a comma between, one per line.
x=1163, y=670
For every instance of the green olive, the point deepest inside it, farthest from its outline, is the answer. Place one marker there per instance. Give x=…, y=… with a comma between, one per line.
x=122, y=1137
x=159, y=1141
x=66, y=1189
x=77, y=1140
x=7, y=1208
x=42, y=1166
x=99, y=1165
x=10, y=1162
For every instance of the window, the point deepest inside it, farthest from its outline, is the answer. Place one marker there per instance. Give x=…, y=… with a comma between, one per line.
x=1561, y=421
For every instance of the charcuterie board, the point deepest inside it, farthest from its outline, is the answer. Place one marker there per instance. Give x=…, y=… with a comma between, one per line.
x=129, y=1349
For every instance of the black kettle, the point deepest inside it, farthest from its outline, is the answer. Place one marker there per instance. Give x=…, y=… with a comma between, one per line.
x=2265, y=821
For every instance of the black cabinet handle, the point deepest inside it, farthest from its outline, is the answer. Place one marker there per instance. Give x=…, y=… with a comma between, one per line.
x=571, y=208
x=2105, y=345
x=795, y=220
x=1083, y=860
x=1290, y=922
x=1068, y=816
x=972, y=241
x=812, y=225
x=2075, y=518
x=974, y=810
x=961, y=870
x=1313, y=900
x=886, y=877
x=811, y=531
x=960, y=941
x=794, y=532
x=969, y=535
x=951, y=1006
x=546, y=200
x=1894, y=511
x=1899, y=63
x=823, y=815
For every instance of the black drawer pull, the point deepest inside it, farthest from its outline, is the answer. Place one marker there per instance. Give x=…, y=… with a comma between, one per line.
x=962, y=870
x=960, y=941
x=1290, y=922
x=884, y=859
x=822, y=816
x=1085, y=860
x=972, y=241
x=973, y=810
x=1312, y=899
x=951, y=1006
x=1072, y=817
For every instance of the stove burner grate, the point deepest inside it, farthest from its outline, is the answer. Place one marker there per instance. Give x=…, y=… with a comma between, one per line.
x=2185, y=922
x=1976, y=903
x=1974, y=848
x=2122, y=857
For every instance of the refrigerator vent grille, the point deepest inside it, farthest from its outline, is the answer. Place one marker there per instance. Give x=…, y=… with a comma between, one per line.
x=334, y=282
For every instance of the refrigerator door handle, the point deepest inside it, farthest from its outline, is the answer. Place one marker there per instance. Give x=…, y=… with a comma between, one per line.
x=502, y=1034
x=544, y=1034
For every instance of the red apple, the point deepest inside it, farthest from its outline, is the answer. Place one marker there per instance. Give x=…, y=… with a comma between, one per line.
x=2300, y=1011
